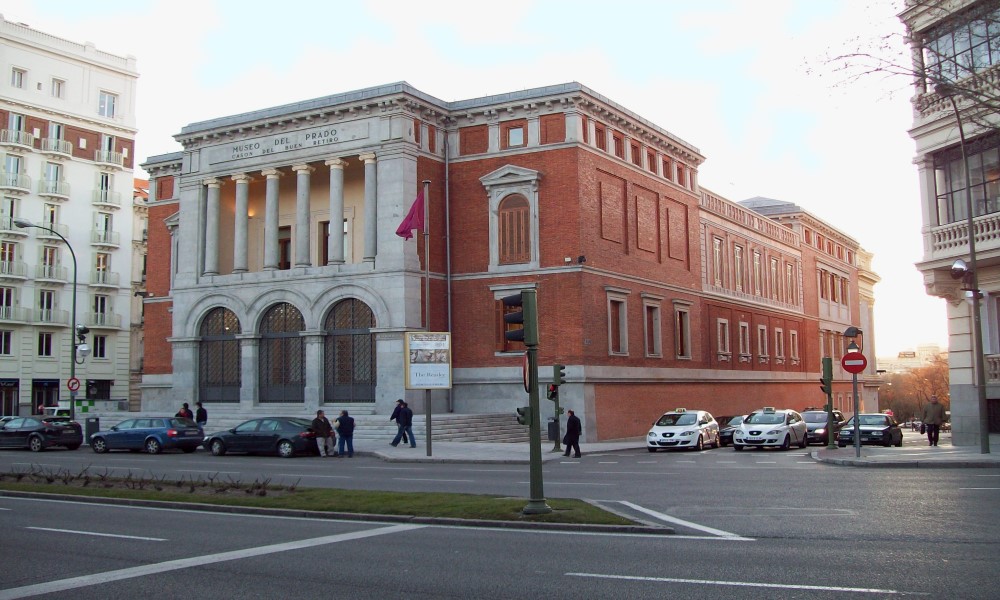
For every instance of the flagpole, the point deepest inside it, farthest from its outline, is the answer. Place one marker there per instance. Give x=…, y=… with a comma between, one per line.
x=427, y=300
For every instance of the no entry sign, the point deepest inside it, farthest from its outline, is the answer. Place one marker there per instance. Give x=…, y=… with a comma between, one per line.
x=854, y=362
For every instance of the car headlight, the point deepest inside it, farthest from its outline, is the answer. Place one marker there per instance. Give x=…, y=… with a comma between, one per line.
x=820, y=431
x=877, y=432
x=776, y=431
x=687, y=433
x=651, y=434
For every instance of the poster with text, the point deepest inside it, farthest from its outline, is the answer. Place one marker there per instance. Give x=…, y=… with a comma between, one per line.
x=428, y=360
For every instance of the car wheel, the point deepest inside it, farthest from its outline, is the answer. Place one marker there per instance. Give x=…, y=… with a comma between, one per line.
x=718, y=441
x=737, y=447
x=72, y=446
x=786, y=443
x=804, y=442
x=888, y=442
x=99, y=445
x=651, y=449
x=35, y=444
x=899, y=444
x=285, y=449
x=153, y=446
x=217, y=447
x=188, y=449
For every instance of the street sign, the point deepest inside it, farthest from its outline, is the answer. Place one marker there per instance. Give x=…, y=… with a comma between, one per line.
x=73, y=384
x=854, y=362
x=524, y=373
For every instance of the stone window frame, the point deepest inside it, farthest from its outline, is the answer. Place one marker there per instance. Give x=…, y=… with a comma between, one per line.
x=682, y=330
x=506, y=181
x=618, y=296
x=652, y=332
x=723, y=347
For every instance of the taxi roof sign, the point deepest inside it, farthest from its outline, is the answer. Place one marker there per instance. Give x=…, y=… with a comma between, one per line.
x=769, y=409
x=680, y=410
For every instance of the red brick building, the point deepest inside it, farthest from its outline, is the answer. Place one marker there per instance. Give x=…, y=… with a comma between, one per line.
x=653, y=291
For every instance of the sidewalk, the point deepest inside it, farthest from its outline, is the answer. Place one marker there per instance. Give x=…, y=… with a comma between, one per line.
x=913, y=454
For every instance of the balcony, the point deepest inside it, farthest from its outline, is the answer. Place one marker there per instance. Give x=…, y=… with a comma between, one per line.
x=104, y=279
x=109, y=239
x=59, y=228
x=8, y=229
x=56, y=148
x=51, y=273
x=56, y=189
x=47, y=316
x=104, y=320
x=15, y=314
x=13, y=138
x=106, y=198
x=15, y=182
x=109, y=159
x=13, y=269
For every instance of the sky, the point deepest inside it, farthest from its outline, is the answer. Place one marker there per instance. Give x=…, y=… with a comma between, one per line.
x=750, y=84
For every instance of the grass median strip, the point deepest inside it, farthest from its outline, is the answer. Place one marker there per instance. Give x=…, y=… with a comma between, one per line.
x=264, y=494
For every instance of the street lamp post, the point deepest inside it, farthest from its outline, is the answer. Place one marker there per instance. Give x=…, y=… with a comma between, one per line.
x=75, y=349
x=853, y=333
x=949, y=91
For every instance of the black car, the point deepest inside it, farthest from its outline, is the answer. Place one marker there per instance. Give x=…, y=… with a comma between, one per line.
x=875, y=429
x=38, y=433
x=284, y=436
x=152, y=435
x=816, y=421
x=727, y=425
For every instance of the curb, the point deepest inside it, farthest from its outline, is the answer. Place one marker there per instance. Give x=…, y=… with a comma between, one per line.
x=339, y=516
x=907, y=464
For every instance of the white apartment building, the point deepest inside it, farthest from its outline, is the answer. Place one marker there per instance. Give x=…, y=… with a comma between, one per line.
x=956, y=56
x=67, y=130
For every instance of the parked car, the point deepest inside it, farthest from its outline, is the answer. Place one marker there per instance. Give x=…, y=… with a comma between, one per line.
x=150, y=435
x=682, y=428
x=284, y=436
x=38, y=433
x=816, y=425
x=727, y=425
x=875, y=429
x=771, y=427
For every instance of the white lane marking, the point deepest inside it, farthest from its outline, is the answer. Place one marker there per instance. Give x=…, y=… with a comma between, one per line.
x=979, y=488
x=688, y=461
x=438, y=480
x=571, y=483
x=493, y=470
x=607, y=462
x=208, y=471
x=94, y=533
x=726, y=462
x=766, y=462
x=647, y=462
x=783, y=586
x=628, y=473
x=62, y=585
x=304, y=475
x=682, y=522
x=394, y=468
x=986, y=475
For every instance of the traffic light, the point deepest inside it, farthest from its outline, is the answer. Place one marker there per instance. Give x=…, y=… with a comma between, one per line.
x=553, y=392
x=527, y=317
x=524, y=415
x=826, y=381
x=558, y=374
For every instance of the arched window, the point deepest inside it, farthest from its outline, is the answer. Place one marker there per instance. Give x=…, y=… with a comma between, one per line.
x=514, y=233
x=219, y=375
x=282, y=355
x=349, y=353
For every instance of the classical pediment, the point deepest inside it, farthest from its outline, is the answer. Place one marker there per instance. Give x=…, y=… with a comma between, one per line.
x=510, y=175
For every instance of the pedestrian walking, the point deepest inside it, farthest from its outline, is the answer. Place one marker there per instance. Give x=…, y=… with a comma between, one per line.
x=185, y=412
x=405, y=423
x=324, y=434
x=201, y=415
x=572, y=438
x=345, y=429
x=932, y=418
x=395, y=416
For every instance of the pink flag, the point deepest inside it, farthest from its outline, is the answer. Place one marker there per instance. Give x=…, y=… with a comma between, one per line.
x=414, y=219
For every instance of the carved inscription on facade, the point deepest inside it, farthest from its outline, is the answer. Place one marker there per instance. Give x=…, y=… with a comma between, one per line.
x=288, y=142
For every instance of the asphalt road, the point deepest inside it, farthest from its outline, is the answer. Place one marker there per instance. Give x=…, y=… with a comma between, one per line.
x=756, y=524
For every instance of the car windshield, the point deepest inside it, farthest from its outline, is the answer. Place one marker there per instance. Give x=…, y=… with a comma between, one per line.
x=182, y=422
x=56, y=419
x=735, y=421
x=876, y=420
x=762, y=418
x=673, y=419
x=815, y=417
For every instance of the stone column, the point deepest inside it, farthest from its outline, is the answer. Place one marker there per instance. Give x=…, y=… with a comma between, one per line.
x=335, y=247
x=212, y=228
x=240, y=264
x=371, y=207
x=302, y=215
x=314, y=371
x=574, y=126
x=271, y=220
x=249, y=370
x=533, y=133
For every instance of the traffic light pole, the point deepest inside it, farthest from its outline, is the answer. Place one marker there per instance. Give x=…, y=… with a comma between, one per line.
x=828, y=388
x=536, y=502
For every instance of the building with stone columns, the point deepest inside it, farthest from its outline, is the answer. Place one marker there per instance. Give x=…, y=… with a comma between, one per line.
x=67, y=125
x=956, y=44
x=276, y=281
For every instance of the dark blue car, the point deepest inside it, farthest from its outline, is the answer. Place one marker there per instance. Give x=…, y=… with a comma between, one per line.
x=152, y=435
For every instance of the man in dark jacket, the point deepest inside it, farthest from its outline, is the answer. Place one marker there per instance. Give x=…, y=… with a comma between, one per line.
x=345, y=429
x=395, y=416
x=324, y=430
x=185, y=412
x=573, y=430
x=405, y=423
x=201, y=415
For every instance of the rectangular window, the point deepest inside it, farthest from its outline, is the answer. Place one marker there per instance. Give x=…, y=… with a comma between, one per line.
x=17, y=77
x=774, y=283
x=682, y=331
x=515, y=137
x=601, y=137
x=46, y=304
x=636, y=151
x=619, y=142
x=6, y=303
x=722, y=336
x=756, y=273
x=792, y=296
x=793, y=343
x=58, y=88
x=779, y=343
x=44, y=344
x=744, y=340
x=667, y=174
x=717, y=260
x=738, y=267
x=654, y=346
x=762, y=341
x=617, y=326
x=651, y=160
x=50, y=261
x=50, y=215
x=100, y=346
x=8, y=253
x=5, y=342
x=106, y=104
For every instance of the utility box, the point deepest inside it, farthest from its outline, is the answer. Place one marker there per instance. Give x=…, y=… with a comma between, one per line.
x=553, y=429
x=91, y=425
